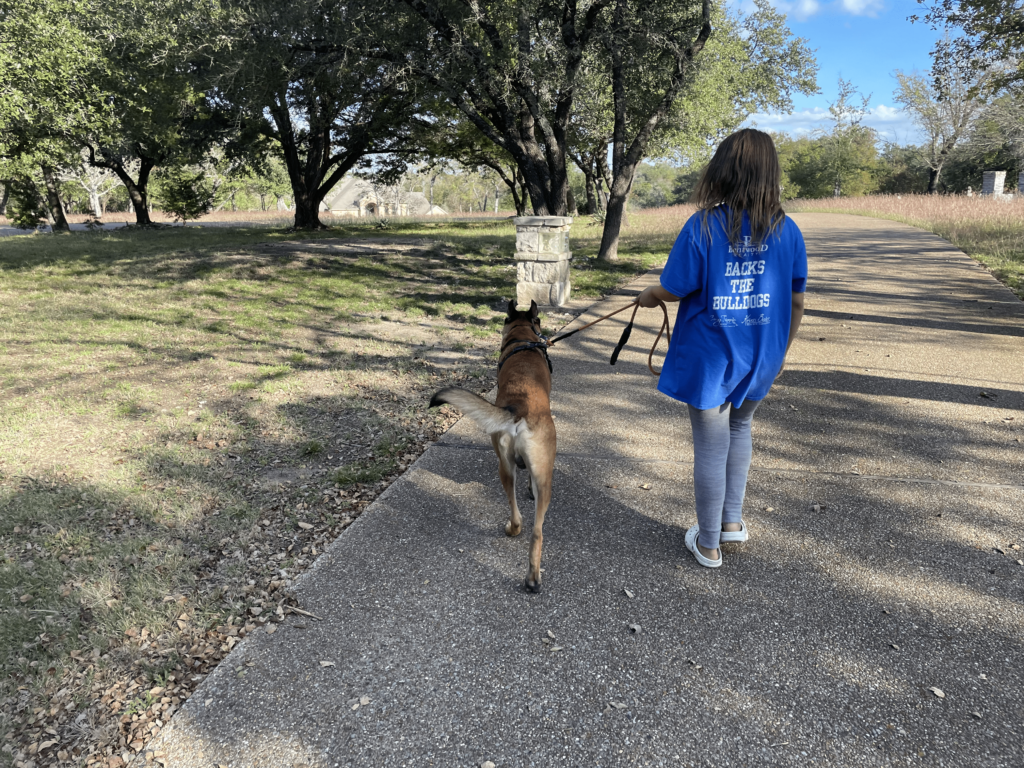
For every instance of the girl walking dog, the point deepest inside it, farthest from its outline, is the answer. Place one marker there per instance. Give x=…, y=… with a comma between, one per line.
x=738, y=270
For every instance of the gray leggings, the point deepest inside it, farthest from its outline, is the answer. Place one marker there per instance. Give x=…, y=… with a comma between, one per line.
x=722, y=449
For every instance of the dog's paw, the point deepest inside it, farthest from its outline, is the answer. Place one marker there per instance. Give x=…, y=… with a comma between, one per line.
x=531, y=586
x=513, y=530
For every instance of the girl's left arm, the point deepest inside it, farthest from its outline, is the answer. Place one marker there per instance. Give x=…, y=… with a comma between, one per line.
x=798, y=315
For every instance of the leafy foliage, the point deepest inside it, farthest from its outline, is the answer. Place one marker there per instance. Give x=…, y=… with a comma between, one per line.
x=186, y=192
x=991, y=37
x=292, y=74
x=25, y=208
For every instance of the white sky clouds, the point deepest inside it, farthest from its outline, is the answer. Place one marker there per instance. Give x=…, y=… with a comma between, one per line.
x=804, y=9
x=862, y=7
x=891, y=123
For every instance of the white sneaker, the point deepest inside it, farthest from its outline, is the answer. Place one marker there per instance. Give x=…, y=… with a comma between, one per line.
x=734, y=536
x=691, y=544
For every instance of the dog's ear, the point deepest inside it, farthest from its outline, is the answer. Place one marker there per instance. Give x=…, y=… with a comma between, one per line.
x=534, y=309
x=512, y=311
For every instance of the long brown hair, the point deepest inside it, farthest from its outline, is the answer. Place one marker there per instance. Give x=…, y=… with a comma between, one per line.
x=744, y=175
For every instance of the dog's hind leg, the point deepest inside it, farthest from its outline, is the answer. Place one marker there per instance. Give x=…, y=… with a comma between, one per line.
x=529, y=480
x=507, y=472
x=541, y=463
x=542, y=491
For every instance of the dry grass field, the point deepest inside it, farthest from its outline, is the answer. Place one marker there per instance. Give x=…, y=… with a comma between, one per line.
x=991, y=231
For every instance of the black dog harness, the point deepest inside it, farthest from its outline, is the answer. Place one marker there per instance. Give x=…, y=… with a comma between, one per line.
x=542, y=345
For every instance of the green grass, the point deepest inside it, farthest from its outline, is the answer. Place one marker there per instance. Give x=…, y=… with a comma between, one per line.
x=312, y=448
x=153, y=383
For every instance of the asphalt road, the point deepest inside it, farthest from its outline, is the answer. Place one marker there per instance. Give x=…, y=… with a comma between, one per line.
x=875, y=617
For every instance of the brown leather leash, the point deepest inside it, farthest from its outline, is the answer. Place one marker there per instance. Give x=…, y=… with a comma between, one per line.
x=625, y=333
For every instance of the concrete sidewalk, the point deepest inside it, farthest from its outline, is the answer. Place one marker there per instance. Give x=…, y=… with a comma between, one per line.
x=874, y=618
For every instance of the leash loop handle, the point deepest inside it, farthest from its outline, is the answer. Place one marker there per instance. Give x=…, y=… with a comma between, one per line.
x=664, y=331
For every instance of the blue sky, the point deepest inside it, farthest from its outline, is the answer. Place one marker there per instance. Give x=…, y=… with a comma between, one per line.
x=864, y=41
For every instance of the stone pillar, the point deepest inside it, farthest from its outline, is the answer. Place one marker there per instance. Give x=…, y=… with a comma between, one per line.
x=542, y=259
x=992, y=183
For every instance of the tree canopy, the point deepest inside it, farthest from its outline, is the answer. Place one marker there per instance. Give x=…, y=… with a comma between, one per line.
x=988, y=35
x=520, y=88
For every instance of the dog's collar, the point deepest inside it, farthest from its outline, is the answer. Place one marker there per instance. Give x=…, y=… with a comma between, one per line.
x=514, y=341
x=542, y=345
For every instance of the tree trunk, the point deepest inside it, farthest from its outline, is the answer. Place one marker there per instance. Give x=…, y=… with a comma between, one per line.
x=615, y=212
x=307, y=212
x=140, y=197
x=6, y=197
x=591, y=194
x=625, y=160
x=517, y=199
x=933, y=180
x=137, y=191
x=140, y=205
x=602, y=196
x=95, y=204
x=53, y=201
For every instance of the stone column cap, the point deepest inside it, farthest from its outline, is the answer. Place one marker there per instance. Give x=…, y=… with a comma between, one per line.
x=542, y=221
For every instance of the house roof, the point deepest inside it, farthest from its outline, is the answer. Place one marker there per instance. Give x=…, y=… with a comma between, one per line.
x=347, y=194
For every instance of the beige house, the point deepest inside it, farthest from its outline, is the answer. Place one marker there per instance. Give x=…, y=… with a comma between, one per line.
x=357, y=197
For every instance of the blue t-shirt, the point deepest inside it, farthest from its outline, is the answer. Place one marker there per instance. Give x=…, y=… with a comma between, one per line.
x=731, y=330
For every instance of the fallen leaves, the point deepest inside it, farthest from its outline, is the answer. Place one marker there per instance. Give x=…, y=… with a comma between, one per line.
x=938, y=692
x=355, y=704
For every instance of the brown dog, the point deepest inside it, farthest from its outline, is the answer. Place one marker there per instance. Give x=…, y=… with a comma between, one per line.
x=519, y=423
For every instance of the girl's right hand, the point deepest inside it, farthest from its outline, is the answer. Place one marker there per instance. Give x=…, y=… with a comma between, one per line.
x=648, y=297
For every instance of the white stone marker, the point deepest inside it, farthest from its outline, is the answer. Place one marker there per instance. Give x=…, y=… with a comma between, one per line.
x=542, y=259
x=992, y=183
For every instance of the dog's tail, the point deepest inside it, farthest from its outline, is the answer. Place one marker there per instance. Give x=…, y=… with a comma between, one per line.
x=490, y=417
